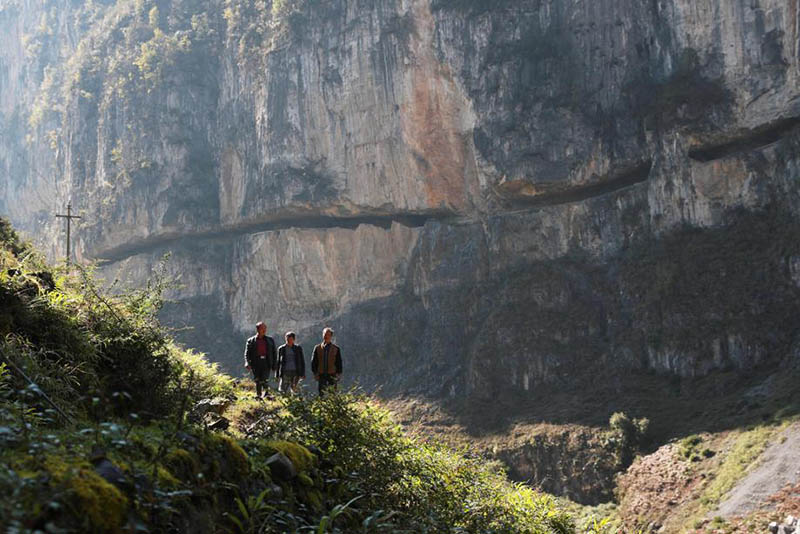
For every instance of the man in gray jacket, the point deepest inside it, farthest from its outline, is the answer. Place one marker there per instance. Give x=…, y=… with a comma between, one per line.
x=291, y=364
x=260, y=357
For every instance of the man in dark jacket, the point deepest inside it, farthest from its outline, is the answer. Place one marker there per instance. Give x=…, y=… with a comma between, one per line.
x=259, y=357
x=291, y=364
x=326, y=362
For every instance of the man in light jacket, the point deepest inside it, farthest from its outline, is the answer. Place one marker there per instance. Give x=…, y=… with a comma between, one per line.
x=326, y=362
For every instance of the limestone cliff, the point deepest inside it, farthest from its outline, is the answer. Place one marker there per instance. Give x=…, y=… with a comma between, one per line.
x=468, y=191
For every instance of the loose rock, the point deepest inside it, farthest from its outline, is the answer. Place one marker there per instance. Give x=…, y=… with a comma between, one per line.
x=111, y=473
x=281, y=467
x=219, y=423
x=216, y=405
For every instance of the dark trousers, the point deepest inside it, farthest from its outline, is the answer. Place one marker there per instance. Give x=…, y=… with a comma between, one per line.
x=260, y=376
x=326, y=382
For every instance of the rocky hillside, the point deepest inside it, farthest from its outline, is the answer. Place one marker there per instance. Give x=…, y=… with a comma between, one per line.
x=484, y=199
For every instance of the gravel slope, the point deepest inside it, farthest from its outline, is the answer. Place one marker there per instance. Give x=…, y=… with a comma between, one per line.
x=777, y=467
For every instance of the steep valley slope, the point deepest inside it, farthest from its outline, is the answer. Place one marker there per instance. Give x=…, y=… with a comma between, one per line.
x=520, y=213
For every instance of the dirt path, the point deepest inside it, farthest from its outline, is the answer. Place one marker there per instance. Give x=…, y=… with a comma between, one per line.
x=778, y=466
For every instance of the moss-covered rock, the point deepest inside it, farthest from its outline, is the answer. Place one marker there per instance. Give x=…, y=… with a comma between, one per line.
x=301, y=457
x=182, y=464
x=230, y=460
x=90, y=496
x=305, y=480
x=166, y=479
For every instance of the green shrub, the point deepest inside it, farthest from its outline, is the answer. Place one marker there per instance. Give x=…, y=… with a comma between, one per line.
x=429, y=487
x=78, y=342
x=626, y=437
x=10, y=240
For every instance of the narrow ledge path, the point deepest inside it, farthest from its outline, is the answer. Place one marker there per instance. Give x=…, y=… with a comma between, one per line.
x=311, y=221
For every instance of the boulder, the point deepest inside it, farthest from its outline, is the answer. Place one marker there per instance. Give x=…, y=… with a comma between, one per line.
x=216, y=405
x=106, y=468
x=281, y=467
x=218, y=423
x=111, y=473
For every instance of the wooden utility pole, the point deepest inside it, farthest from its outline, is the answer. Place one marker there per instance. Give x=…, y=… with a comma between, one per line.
x=69, y=216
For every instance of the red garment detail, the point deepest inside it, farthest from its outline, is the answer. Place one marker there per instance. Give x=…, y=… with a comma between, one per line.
x=261, y=346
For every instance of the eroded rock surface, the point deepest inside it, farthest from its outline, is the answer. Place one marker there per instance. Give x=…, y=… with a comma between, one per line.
x=473, y=194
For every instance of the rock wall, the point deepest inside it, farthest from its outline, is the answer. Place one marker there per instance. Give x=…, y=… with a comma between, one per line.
x=469, y=193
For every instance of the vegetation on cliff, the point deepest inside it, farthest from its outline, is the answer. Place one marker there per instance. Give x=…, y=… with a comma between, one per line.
x=99, y=434
x=130, y=49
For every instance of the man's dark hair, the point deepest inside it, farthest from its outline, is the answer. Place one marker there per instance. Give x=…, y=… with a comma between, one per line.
x=259, y=324
x=290, y=335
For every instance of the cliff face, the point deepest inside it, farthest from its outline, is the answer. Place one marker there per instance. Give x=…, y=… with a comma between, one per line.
x=469, y=192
